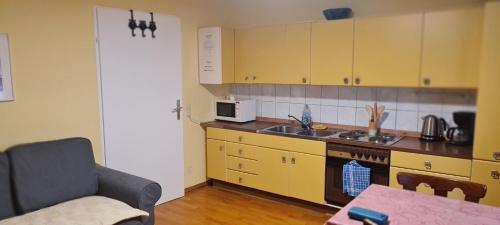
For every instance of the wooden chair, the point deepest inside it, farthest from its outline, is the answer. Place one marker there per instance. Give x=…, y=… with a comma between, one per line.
x=473, y=191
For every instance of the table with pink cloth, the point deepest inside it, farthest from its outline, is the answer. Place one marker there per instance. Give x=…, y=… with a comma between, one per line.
x=408, y=208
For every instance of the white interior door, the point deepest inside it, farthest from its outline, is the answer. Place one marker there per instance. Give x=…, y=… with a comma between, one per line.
x=140, y=79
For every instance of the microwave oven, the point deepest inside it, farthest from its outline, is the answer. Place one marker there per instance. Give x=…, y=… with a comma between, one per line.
x=235, y=111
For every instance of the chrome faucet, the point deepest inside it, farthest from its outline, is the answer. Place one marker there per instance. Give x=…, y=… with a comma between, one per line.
x=300, y=121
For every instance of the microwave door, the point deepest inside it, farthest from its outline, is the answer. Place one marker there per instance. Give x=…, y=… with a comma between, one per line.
x=226, y=109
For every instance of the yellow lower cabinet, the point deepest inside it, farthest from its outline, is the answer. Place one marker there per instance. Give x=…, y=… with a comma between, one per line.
x=243, y=165
x=487, y=173
x=216, y=159
x=216, y=133
x=424, y=188
x=274, y=171
x=307, y=177
x=431, y=163
x=244, y=179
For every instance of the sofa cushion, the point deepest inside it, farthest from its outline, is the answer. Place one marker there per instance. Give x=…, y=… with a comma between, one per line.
x=7, y=207
x=47, y=173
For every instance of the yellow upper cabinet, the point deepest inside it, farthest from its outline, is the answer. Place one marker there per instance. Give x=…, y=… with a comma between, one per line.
x=451, y=43
x=486, y=141
x=297, y=67
x=331, y=52
x=387, y=50
x=259, y=54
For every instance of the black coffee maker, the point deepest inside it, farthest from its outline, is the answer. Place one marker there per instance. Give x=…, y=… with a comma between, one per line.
x=463, y=134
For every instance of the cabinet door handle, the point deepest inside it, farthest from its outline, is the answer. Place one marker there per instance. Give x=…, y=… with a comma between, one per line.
x=221, y=147
x=496, y=155
x=240, y=180
x=357, y=80
x=254, y=77
x=240, y=138
x=240, y=151
x=427, y=81
x=283, y=159
x=428, y=165
x=495, y=175
x=346, y=80
x=293, y=160
x=246, y=77
x=240, y=165
x=304, y=80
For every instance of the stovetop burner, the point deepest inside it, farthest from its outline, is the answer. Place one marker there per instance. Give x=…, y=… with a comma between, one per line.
x=382, y=138
x=352, y=135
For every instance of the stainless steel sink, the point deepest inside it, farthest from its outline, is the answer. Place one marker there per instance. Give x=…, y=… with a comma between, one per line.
x=287, y=130
x=284, y=129
x=316, y=133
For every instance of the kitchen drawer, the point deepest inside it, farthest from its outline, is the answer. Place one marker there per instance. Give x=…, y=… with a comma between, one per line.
x=243, y=151
x=241, y=178
x=243, y=165
x=425, y=188
x=216, y=133
x=278, y=142
x=431, y=163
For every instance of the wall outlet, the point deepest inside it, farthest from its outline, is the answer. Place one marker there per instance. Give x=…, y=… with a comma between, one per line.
x=189, y=170
x=188, y=110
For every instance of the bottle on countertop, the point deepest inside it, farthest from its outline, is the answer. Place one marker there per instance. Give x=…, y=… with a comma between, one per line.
x=306, y=117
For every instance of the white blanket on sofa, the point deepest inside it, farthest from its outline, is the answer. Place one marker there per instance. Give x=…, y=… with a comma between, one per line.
x=92, y=210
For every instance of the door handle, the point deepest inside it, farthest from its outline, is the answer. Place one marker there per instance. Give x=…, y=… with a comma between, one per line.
x=495, y=175
x=178, y=109
x=428, y=165
x=283, y=159
x=496, y=155
x=293, y=160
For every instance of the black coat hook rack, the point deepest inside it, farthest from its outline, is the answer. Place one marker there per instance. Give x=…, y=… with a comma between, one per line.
x=143, y=26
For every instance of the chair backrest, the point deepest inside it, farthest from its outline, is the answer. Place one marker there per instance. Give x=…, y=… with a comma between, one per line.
x=473, y=191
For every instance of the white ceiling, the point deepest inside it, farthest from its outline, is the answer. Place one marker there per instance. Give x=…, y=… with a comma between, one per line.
x=242, y=13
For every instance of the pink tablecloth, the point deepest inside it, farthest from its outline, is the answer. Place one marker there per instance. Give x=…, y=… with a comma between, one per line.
x=408, y=208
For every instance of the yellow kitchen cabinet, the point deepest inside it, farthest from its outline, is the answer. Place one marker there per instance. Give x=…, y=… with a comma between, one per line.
x=307, y=177
x=243, y=165
x=487, y=173
x=387, y=51
x=450, y=51
x=274, y=171
x=244, y=179
x=216, y=133
x=425, y=188
x=259, y=54
x=332, y=52
x=486, y=141
x=431, y=163
x=216, y=159
x=297, y=67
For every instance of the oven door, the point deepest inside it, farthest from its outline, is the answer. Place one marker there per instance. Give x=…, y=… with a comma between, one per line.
x=226, y=110
x=333, y=181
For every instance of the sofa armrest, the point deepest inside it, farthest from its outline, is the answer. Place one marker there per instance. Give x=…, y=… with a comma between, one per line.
x=136, y=191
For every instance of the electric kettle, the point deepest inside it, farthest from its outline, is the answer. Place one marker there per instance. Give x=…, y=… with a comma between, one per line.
x=433, y=128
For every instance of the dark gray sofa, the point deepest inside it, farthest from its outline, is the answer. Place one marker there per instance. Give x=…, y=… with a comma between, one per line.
x=37, y=175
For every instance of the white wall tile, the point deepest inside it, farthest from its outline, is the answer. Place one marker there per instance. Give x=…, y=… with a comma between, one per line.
x=347, y=115
x=315, y=112
x=258, y=109
x=387, y=97
x=296, y=110
x=269, y=109
x=298, y=94
x=430, y=102
x=282, y=110
x=347, y=96
x=361, y=117
x=313, y=95
x=365, y=96
x=332, y=104
x=407, y=100
x=407, y=120
x=329, y=114
x=388, y=120
x=282, y=93
x=330, y=95
x=268, y=93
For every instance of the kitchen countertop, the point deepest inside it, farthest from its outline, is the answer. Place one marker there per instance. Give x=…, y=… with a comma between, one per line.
x=406, y=144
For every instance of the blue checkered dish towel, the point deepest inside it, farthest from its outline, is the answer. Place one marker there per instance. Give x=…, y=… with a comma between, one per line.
x=356, y=178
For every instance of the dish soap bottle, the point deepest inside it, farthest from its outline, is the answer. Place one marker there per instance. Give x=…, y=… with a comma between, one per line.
x=306, y=117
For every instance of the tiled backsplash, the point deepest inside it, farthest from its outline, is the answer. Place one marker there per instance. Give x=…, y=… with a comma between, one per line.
x=345, y=105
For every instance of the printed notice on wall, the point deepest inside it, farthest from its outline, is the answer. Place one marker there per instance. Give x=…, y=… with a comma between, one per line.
x=6, y=93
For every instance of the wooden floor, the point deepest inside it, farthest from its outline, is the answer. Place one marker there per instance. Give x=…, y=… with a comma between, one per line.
x=215, y=205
